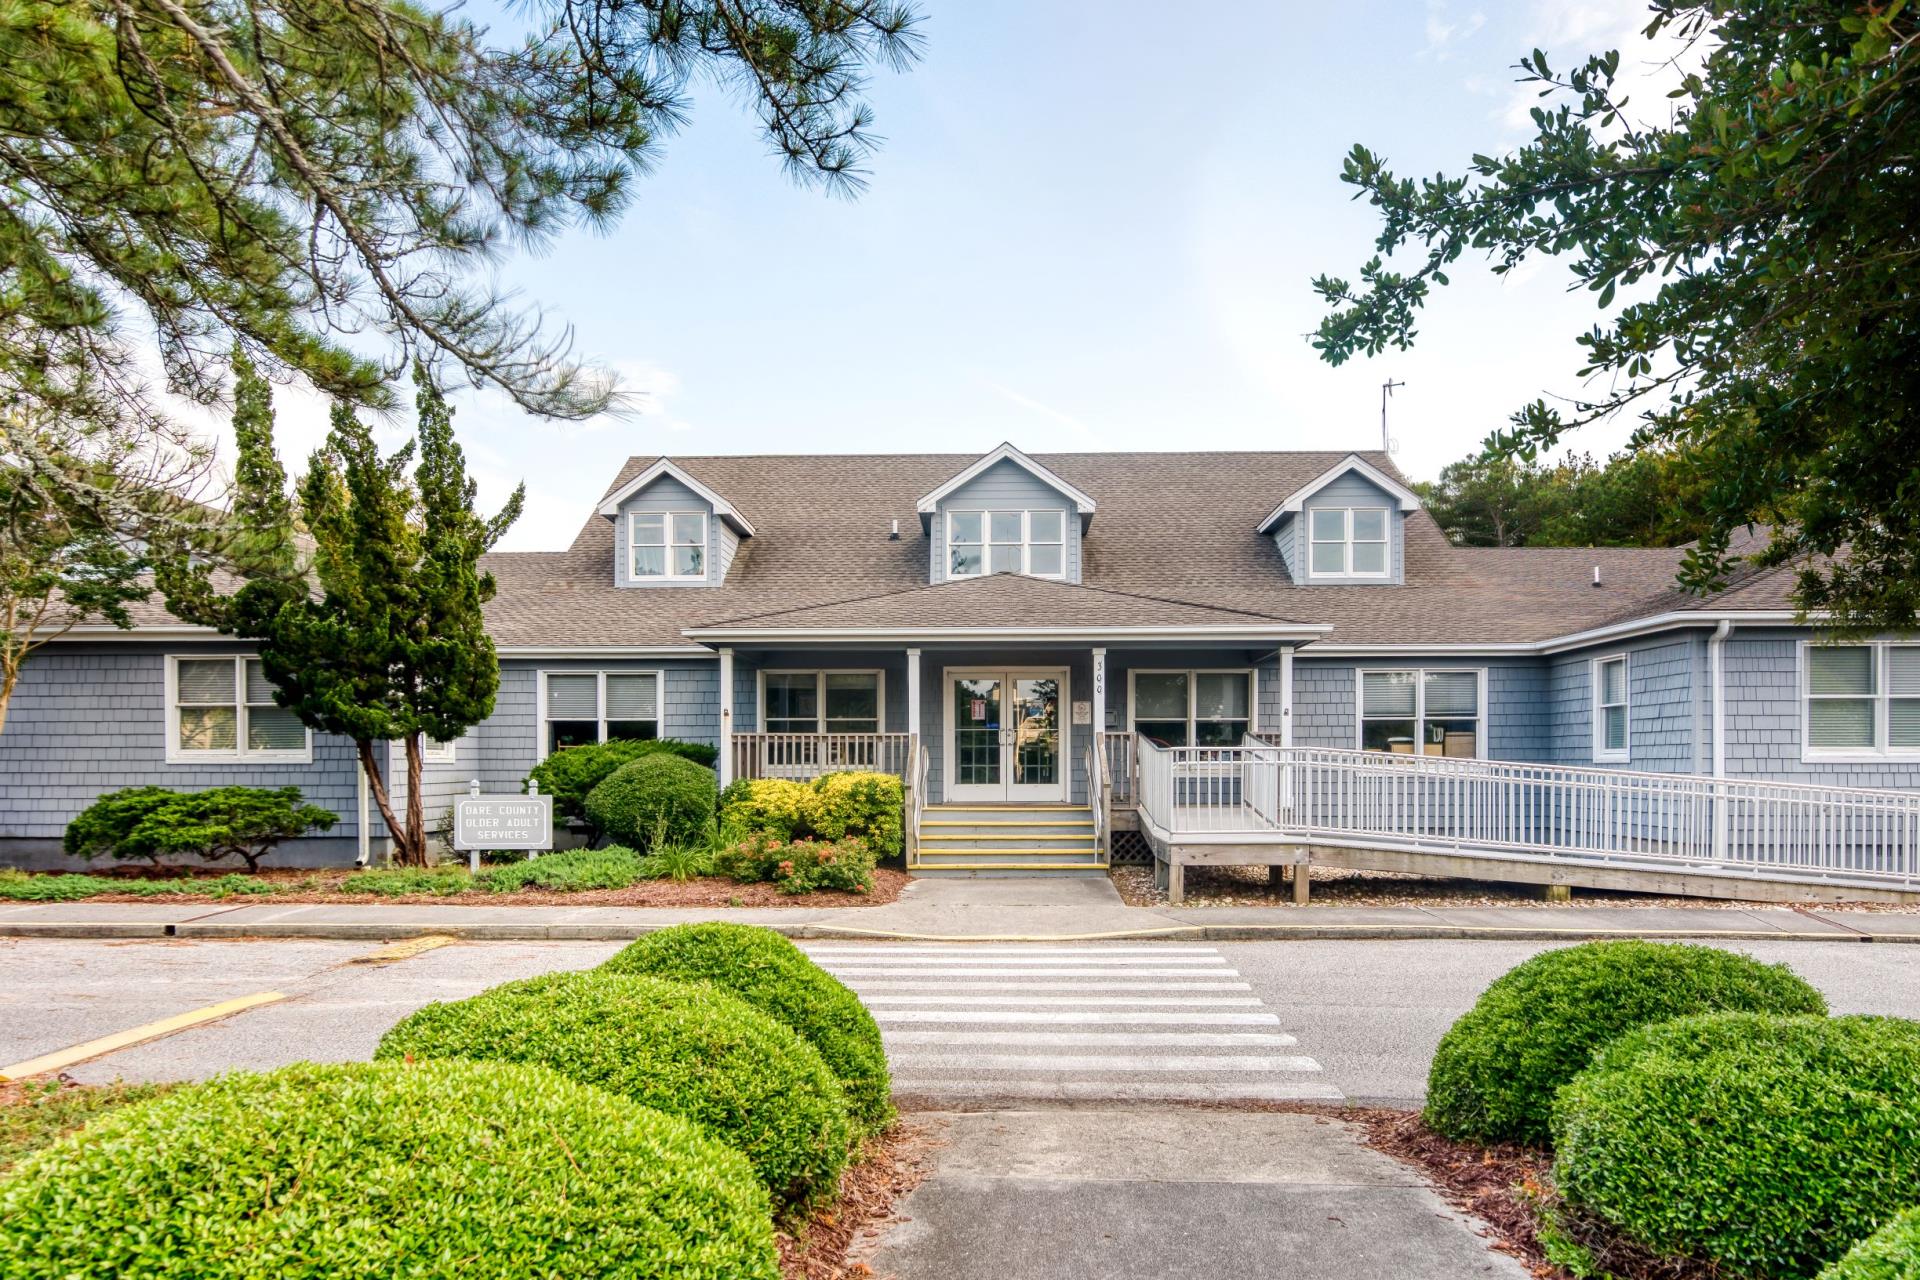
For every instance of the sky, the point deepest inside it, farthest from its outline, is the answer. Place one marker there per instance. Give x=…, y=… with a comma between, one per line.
x=1091, y=226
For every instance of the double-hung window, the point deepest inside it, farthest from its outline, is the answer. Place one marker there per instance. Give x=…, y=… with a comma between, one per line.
x=1861, y=699
x=1435, y=713
x=582, y=707
x=1029, y=542
x=821, y=701
x=1192, y=708
x=1347, y=542
x=1610, y=709
x=223, y=709
x=667, y=546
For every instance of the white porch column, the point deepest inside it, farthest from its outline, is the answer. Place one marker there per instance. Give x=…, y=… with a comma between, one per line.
x=913, y=694
x=726, y=716
x=1286, y=695
x=1099, y=693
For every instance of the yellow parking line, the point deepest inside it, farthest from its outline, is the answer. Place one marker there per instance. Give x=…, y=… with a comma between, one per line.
x=403, y=949
x=60, y=1059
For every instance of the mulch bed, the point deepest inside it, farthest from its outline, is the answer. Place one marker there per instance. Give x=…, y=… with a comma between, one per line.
x=889, y=1166
x=316, y=887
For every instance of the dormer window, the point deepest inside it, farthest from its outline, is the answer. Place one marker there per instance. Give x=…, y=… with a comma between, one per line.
x=1347, y=542
x=669, y=546
x=1028, y=542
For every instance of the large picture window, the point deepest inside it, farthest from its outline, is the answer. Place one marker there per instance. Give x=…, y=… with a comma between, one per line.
x=582, y=707
x=1192, y=708
x=1029, y=542
x=821, y=701
x=1861, y=699
x=1347, y=542
x=1417, y=712
x=669, y=546
x=1610, y=741
x=223, y=708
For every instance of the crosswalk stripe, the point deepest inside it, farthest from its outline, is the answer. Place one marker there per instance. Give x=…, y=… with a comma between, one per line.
x=994, y=949
x=886, y=985
x=916, y=971
x=1098, y=1039
x=1018, y=964
x=1194, y=1064
x=1123, y=1090
x=1132, y=1002
x=1080, y=1017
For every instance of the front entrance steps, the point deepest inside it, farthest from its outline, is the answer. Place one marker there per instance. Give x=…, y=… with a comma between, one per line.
x=1008, y=839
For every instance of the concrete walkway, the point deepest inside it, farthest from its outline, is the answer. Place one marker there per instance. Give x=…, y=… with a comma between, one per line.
x=1008, y=909
x=1144, y=1194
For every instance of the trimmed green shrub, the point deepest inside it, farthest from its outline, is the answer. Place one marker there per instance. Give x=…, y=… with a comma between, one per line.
x=1891, y=1253
x=689, y=1050
x=568, y=775
x=434, y=1171
x=775, y=977
x=1495, y=1073
x=656, y=799
x=20, y=886
x=614, y=867
x=831, y=807
x=155, y=824
x=1766, y=1145
x=677, y=862
x=800, y=866
x=394, y=882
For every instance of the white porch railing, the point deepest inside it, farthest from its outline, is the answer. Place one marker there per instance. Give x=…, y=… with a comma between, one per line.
x=1261, y=792
x=1119, y=749
x=801, y=756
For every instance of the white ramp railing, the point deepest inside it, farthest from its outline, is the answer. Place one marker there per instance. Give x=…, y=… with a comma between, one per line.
x=1263, y=792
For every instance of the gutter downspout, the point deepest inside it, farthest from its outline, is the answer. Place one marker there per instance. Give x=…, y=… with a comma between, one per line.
x=1716, y=677
x=363, y=837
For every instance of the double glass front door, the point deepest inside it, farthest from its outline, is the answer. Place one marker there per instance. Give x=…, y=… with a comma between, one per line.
x=1006, y=735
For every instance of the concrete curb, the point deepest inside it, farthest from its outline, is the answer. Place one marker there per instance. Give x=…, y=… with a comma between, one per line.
x=534, y=932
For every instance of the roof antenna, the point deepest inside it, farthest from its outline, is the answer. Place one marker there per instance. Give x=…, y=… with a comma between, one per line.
x=1387, y=443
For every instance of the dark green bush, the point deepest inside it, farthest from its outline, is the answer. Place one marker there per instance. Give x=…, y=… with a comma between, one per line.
x=1496, y=1071
x=20, y=886
x=395, y=882
x=775, y=977
x=155, y=824
x=656, y=799
x=614, y=867
x=691, y=1050
x=433, y=1171
x=799, y=866
x=1891, y=1253
x=570, y=774
x=1765, y=1145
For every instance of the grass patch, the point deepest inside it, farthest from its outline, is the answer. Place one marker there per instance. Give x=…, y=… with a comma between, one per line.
x=395, y=882
x=22, y=886
x=614, y=867
x=34, y=1114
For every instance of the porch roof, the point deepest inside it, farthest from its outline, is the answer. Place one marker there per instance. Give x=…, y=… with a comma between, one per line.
x=1009, y=606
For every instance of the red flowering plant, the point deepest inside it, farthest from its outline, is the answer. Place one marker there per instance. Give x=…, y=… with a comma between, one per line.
x=800, y=866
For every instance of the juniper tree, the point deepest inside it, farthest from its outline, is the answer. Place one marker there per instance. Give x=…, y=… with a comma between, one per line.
x=1765, y=231
x=365, y=599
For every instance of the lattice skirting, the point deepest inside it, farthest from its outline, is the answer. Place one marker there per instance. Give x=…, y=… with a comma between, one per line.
x=1130, y=849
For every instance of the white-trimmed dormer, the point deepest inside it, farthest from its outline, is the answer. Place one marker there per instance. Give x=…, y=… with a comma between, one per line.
x=670, y=530
x=1345, y=527
x=1005, y=513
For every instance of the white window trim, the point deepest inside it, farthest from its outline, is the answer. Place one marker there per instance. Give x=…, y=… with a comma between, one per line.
x=1419, y=708
x=1602, y=754
x=1882, y=750
x=541, y=751
x=175, y=754
x=820, y=675
x=431, y=752
x=1346, y=543
x=986, y=543
x=705, y=544
x=1193, y=675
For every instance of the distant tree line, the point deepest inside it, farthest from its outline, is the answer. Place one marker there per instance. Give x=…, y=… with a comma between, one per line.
x=1649, y=498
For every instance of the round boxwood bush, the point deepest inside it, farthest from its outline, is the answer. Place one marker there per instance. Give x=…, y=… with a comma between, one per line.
x=1765, y=1145
x=775, y=977
x=656, y=799
x=1891, y=1253
x=435, y=1171
x=687, y=1049
x=1496, y=1071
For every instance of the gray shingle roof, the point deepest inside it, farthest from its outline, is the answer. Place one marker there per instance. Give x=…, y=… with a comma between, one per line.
x=1174, y=537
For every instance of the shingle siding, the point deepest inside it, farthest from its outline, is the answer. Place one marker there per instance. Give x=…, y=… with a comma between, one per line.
x=1764, y=719
x=1005, y=486
x=1326, y=711
x=668, y=494
x=1350, y=490
x=1666, y=694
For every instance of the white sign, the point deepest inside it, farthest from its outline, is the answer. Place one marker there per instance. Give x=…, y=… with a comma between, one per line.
x=1083, y=713
x=503, y=822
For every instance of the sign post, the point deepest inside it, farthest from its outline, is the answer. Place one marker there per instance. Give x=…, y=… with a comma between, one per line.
x=502, y=822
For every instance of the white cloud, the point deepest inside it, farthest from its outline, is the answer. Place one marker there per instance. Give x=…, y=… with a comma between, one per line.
x=1570, y=31
x=1444, y=30
x=1078, y=425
